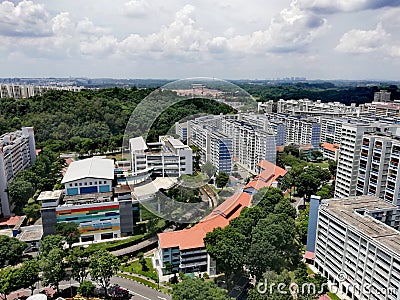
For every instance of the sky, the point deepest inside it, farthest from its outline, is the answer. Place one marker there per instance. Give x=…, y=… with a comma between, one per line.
x=174, y=39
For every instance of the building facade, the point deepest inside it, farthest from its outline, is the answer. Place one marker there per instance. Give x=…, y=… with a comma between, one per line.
x=357, y=247
x=168, y=157
x=89, y=202
x=17, y=153
x=24, y=91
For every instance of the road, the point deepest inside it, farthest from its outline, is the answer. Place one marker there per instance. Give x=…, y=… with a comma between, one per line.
x=136, y=248
x=140, y=291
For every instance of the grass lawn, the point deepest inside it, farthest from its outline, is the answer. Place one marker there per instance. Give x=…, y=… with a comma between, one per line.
x=108, y=245
x=136, y=268
x=333, y=296
x=193, y=178
x=321, y=165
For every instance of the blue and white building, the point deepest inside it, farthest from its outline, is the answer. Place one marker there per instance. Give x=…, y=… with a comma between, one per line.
x=89, y=176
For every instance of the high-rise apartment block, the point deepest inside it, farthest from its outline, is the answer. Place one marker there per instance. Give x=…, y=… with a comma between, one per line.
x=368, y=161
x=357, y=247
x=17, y=153
x=246, y=138
x=299, y=130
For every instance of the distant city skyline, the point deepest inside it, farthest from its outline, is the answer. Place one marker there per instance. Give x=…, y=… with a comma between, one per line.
x=235, y=39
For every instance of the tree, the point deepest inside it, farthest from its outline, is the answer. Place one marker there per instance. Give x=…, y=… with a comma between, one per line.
x=196, y=289
x=78, y=260
x=9, y=281
x=307, y=185
x=272, y=246
x=302, y=224
x=86, y=288
x=316, y=155
x=285, y=207
x=326, y=192
x=142, y=261
x=20, y=191
x=69, y=231
x=209, y=169
x=332, y=167
x=267, y=287
x=49, y=243
x=32, y=212
x=228, y=247
x=292, y=150
x=53, y=268
x=29, y=273
x=222, y=179
x=103, y=265
x=11, y=250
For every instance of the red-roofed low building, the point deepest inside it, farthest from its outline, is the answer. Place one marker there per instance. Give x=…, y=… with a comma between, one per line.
x=270, y=176
x=185, y=249
x=330, y=151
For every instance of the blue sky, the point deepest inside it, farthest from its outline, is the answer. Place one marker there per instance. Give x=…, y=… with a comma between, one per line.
x=232, y=39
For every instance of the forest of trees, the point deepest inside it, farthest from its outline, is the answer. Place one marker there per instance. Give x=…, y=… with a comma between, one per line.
x=92, y=120
x=326, y=92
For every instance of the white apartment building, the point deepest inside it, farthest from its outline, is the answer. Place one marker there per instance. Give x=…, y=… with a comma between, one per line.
x=24, y=91
x=357, y=247
x=378, y=172
x=168, y=157
x=349, y=162
x=247, y=138
x=315, y=108
x=17, y=153
x=299, y=130
x=382, y=96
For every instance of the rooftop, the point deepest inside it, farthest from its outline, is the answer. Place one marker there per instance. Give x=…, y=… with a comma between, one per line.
x=267, y=177
x=50, y=195
x=89, y=168
x=346, y=211
x=219, y=217
x=138, y=144
x=330, y=147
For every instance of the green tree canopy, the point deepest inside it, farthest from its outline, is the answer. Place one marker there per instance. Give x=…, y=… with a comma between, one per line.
x=222, y=179
x=103, y=265
x=69, y=231
x=49, y=243
x=209, y=169
x=11, y=250
x=196, y=289
x=53, y=268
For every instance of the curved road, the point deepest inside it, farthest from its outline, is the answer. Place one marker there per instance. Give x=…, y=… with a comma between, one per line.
x=140, y=291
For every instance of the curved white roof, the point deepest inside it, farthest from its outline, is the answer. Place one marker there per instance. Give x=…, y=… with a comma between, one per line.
x=90, y=168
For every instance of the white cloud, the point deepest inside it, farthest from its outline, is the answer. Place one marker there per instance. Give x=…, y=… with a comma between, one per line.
x=365, y=41
x=24, y=19
x=137, y=8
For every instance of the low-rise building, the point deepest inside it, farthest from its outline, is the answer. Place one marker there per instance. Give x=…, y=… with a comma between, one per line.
x=90, y=203
x=185, y=249
x=167, y=158
x=330, y=151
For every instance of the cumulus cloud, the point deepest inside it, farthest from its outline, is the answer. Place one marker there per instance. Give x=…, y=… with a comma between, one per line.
x=366, y=41
x=24, y=19
x=181, y=37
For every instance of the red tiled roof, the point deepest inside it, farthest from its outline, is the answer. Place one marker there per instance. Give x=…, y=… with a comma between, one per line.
x=267, y=177
x=324, y=297
x=219, y=217
x=330, y=147
x=11, y=221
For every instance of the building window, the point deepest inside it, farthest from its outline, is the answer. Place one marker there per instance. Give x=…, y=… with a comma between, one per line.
x=90, y=183
x=85, y=183
x=95, y=182
x=70, y=184
x=76, y=184
x=80, y=183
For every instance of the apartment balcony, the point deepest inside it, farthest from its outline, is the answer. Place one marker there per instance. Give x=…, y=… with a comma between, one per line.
x=366, y=147
x=393, y=166
x=373, y=183
x=375, y=172
x=396, y=154
x=390, y=189
x=390, y=178
x=379, y=150
x=186, y=253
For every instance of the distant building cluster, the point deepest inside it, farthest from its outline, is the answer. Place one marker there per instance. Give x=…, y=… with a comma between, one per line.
x=17, y=153
x=26, y=91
